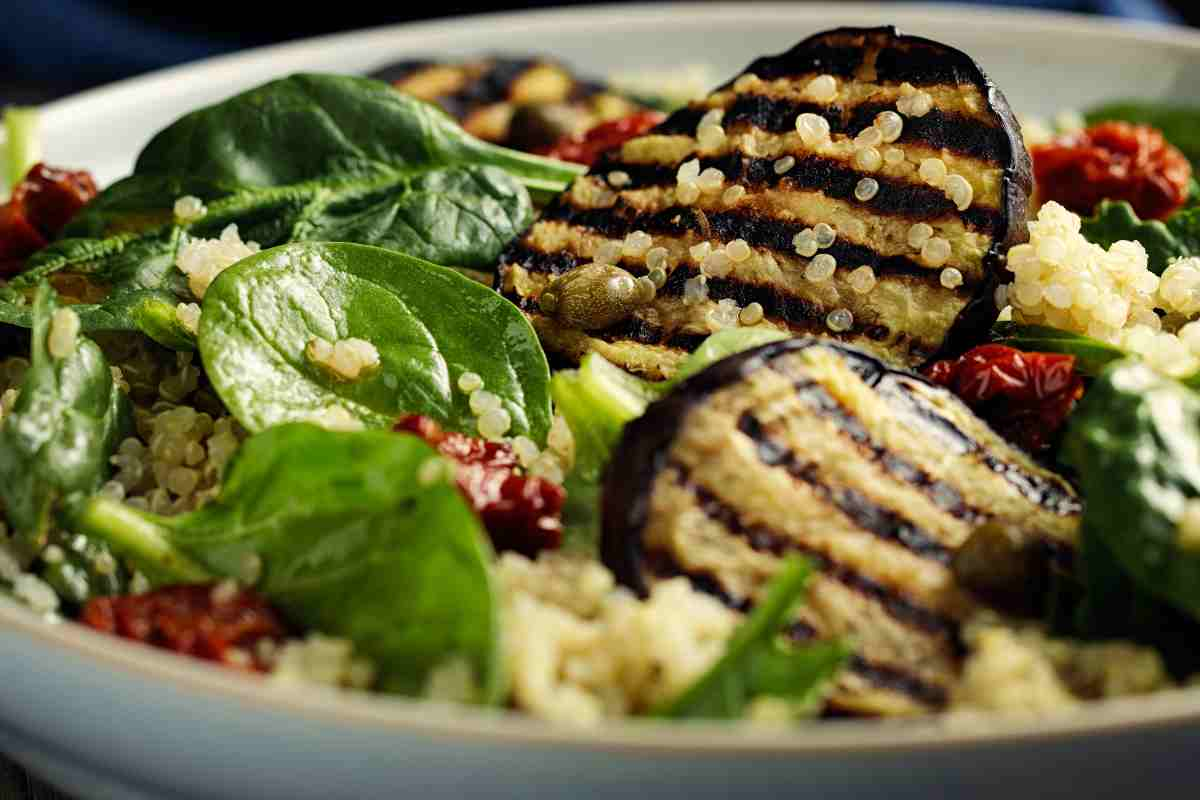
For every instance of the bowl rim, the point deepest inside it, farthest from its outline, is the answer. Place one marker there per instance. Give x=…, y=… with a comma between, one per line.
x=1173, y=708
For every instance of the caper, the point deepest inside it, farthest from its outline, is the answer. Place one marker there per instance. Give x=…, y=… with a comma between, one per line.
x=548, y=302
x=1004, y=566
x=596, y=296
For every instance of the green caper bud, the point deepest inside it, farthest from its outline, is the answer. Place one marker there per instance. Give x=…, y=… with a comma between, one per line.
x=1004, y=566
x=596, y=296
x=658, y=277
x=548, y=302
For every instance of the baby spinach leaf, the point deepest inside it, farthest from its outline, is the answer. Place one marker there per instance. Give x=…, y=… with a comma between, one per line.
x=1135, y=441
x=304, y=158
x=353, y=543
x=307, y=126
x=1164, y=242
x=57, y=439
x=428, y=323
x=758, y=663
x=1180, y=125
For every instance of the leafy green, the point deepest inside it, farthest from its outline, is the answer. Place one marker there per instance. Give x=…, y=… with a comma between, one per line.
x=355, y=539
x=581, y=515
x=759, y=663
x=1135, y=441
x=428, y=323
x=723, y=344
x=599, y=398
x=1092, y=356
x=57, y=439
x=1180, y=125
x=21, y=145
x=304, y=158
x=1178, y=237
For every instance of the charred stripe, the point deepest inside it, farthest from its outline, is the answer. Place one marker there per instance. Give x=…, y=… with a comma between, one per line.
x=764, y=539
x=758, y=230
x=968, y=136
x=896, y=198
x=1037, y=489
x=941, y=494
x=883, y=523
x=663, y=565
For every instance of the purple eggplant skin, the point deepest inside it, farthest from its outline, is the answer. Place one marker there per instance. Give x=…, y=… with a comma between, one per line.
x=951, y=65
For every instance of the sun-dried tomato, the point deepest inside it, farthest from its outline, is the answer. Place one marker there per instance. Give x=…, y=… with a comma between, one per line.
x=585, y=148
x=1026, y=397
x=520, y=512
x=1113, y=161
x=41, y=204
x=197, y=620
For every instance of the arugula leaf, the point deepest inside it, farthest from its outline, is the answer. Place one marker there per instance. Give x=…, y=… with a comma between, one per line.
x=353, y=543
x=1180, y=125
x=304, y=158
x=1164, y=242
x=758, y=663
x=1135, y=441
x=428, y=323
x=57, y=439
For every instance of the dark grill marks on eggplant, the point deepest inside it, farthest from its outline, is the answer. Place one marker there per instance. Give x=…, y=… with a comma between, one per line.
x=522, y=102
x=762, y=538
x=791, y=183
x=937, y=130
x=755, y=228
x=807, y=446
x=866, y=515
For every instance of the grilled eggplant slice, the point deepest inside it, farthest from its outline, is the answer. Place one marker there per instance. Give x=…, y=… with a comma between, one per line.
x=523, y=103
x=810, y=446
x=789, y=183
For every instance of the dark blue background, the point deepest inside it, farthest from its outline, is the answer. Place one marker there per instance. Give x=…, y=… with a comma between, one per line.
x=52, y=47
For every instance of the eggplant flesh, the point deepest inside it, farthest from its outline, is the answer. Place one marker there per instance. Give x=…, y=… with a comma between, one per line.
x=809, y=446
x=523, y=103
x=909, y=316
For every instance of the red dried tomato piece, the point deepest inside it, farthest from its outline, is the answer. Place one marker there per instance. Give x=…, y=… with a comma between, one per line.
x=586, y=148
x=1025, y=396
x=41, y=204
x=520, y=512
x=196, y=620
x=1114, y=161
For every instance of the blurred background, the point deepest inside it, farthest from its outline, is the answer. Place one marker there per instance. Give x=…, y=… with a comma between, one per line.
x=49, y=48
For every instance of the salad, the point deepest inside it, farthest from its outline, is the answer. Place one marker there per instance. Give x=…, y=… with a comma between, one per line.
x=836, y=391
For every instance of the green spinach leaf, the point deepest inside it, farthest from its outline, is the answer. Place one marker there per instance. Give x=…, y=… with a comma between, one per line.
x=758, y=663
x=1164, y=242
x=57, y=439
x=1179, y=124
x=1135, y=441
x=355, y=540
x=304, y=158
x=428, y=323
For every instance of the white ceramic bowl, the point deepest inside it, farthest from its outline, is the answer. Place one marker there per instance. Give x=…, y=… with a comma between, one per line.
x=104, y=718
